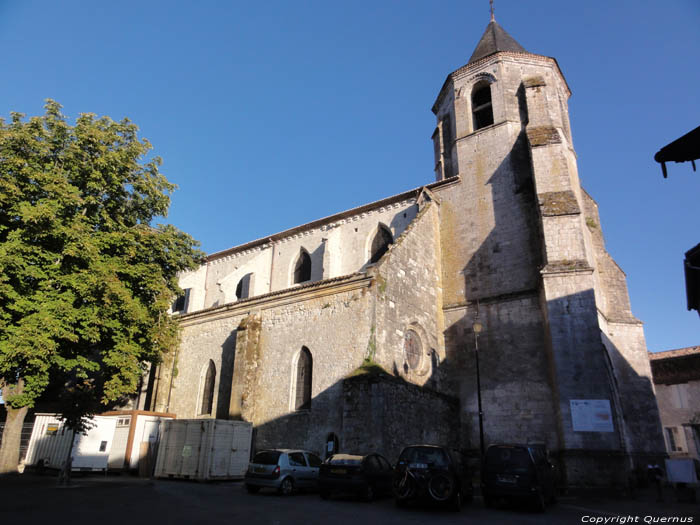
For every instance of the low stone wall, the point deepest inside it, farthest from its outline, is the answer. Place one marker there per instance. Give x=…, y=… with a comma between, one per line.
x=383, y=413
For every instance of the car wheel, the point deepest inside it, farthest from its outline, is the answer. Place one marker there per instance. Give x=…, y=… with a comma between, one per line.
x=252, y=489
x=441, y=487
x=456, y=504
x=287, y=487
x=325, y=494
x=368, y=493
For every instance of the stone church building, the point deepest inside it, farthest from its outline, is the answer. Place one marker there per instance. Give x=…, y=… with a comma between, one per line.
x=355, y=332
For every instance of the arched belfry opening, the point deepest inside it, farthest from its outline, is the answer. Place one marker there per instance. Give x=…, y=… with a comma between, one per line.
x=482, y=109
x=380, y=243
x=302, y=268
x=302, y=385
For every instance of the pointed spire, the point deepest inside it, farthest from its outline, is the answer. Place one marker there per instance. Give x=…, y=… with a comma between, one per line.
x=493, y=17
x=493, y=40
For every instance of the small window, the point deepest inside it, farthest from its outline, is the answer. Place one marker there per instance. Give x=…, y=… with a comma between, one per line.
x=123, y=421
x=302, y=398
x=208, y=390
x=296, y=459
x=103, y=446
x=182, y=302
x=380, y=244
x=482, y=109
x=302, y=268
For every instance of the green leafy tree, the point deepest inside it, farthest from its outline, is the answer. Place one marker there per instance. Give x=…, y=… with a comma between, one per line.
x=85, y=280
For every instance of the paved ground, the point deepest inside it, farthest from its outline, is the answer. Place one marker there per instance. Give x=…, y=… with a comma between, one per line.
x=125, y=500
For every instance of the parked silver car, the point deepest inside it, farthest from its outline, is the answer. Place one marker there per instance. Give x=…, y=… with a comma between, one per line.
x=285, y=470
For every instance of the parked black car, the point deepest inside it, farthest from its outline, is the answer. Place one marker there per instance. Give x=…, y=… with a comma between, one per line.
x=367, y=476
x=520, y=473
x=433, y=473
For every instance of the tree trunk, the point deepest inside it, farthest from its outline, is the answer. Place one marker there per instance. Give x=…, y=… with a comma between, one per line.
x=67, y=467
x=11, y=436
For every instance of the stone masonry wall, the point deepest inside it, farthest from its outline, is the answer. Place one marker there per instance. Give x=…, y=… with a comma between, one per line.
x=385, y=414
x=336, y=330
x=339, y=246
x=408, y=297
x=516, y=393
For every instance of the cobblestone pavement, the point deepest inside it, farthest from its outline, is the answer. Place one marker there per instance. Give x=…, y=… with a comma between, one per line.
x=131, y=501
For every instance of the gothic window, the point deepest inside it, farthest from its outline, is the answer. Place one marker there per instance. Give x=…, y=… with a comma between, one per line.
x=182, y=302
x=302, y=268
x=302, y=390
x=243, y=287
x=208, y=390
x=481, y=105
x=413, y=349
x=380, y=243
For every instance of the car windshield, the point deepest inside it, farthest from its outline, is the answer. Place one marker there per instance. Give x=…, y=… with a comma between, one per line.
x=515, y=459
x=433, y=457
x=267, y=457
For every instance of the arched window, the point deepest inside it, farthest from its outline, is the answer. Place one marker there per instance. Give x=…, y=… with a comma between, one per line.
x=208, y=390
x=302, y=390
x=380, y=243
x=302, y=268
x=481, y=105
x=243, y=287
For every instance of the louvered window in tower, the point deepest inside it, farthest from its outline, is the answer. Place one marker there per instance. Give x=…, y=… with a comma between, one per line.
x=481, y=105
x=302, y=268
x=302, y=398
x=380, y=243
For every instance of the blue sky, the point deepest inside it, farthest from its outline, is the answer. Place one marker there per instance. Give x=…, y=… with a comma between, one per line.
x=272, y=114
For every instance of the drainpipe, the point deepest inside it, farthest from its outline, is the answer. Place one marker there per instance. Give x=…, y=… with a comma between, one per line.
x=272, y=261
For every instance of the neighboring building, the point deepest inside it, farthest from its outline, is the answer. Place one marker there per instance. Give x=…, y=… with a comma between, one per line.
x=684, y=149
x=354, y=332
x=677, y=382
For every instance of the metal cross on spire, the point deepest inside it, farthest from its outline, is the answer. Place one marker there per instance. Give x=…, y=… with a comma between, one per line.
x=493, y=18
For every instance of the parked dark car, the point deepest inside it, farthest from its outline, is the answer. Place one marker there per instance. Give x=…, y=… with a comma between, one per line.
x=284, y=470
x=366, y=476
x=519, y=473
x=432, y=473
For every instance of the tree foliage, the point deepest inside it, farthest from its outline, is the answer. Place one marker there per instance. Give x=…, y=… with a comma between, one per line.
x=85, y=280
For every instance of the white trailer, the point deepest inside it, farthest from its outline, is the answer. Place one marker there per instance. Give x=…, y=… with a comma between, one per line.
x=204, y=449
x=135, y=439
x=50, y=440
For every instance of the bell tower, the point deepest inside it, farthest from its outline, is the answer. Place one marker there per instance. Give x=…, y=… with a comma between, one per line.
x=523, y=255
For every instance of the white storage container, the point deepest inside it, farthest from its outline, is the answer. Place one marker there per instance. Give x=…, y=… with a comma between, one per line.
x=50, y=440
x=204, y=449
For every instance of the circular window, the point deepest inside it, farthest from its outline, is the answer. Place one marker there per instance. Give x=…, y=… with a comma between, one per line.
x=413, y=349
